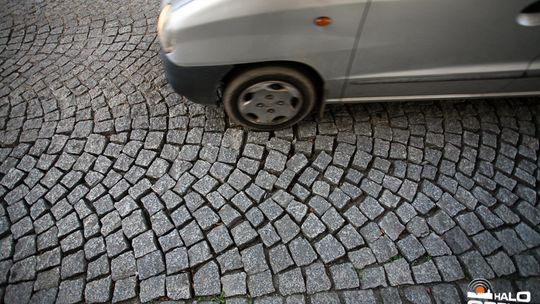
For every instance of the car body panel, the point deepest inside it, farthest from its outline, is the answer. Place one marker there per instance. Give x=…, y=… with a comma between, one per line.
x=427, y=47
x=223, y=32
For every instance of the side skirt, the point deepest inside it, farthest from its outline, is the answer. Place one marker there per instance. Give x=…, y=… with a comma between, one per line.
x=427, y=97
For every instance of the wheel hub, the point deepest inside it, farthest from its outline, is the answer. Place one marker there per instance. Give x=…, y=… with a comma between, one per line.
x=270, y=102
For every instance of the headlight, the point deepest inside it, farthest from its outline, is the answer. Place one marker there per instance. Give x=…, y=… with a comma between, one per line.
x=163, y=35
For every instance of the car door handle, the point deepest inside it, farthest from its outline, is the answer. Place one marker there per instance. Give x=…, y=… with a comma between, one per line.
x=530, y=15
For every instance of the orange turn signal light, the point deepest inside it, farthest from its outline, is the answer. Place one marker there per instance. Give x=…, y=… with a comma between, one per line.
x=322, y=21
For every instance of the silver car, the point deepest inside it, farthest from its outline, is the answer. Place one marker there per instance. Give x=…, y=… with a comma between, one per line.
x=272, y=62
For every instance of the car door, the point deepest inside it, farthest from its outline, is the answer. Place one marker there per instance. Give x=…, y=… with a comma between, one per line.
x=432, y=47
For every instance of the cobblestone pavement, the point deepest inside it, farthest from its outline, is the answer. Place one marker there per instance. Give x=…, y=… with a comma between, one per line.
x=114, y=188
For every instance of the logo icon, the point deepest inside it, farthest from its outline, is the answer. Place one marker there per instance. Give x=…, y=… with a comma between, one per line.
x=480, y=289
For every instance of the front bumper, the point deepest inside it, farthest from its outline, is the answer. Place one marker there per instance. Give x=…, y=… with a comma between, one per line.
x=199, y=84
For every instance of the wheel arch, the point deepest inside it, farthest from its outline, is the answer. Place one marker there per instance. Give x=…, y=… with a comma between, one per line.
x=309, y=71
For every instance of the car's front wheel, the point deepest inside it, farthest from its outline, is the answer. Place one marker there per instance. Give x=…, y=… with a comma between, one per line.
x=269, y=98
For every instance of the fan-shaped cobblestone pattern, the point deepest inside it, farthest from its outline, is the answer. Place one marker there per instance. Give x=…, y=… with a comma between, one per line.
x=114, y=188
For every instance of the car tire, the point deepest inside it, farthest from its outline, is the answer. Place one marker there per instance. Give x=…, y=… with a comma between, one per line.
x=269, y=98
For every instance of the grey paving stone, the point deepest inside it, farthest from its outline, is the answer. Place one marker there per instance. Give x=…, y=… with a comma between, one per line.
x=321, y=188
x=24, y=247
x=371, y=208
x=219, y=238
x=199, y=253
x=332, y=219
x=295, y=299
x=411, y=248
x=391, y=226
x=18, y=293
x=355, y=217
x=71, y=291
x=243, y=233
x=417, y=294
x=449, y=268
x=152, y=288
x=372, y=277
x=265, y=180
x=271, y=299
x=530, y=237
x=316, y=279
x=271, y=209
x=350, y=238
x=98, y=291
x=422, y=203
x=254, y=259
x=329, y=249
x=426, y=272
x=489, y=219
x=191, y=233
x=312, y=226
x=527, y=265
x=398, y=272
x=291, y=282
x=43, y=296
x=181, y=216
x=144, y=244
x=268, y=235
x=178, y=287
x=529, y=284
x=124, y=289
x=344, y=276
x=206, y=217
x=279, y=198
x=383, y=249
x=476, y=265
x=206, y=280
x=505, y=214
x=388, y=199
x=529, y=213
x=435, y=246
x=370, y=187
x=325, y=297
x=470, y=223
x=150, y=265
x=390, y=295
x=279, y=258
x=440, y=222
x=302, y=252
x=234, y=284
x=98, y=267
x=319, y=204
x=94, y=247
x=73, y=264
x=116, y=243
x=123, y=266
x=361, y=257
x=230, y=260
x=260, y=284
x=457, y=240
x=510, y=241
x=297, y=210
x=486, y=242
x=286, y=228
x=445, y=293
x=371, y=232
x=501, y=264
x=238, y=180
x=96, y=167
x=255, y=192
